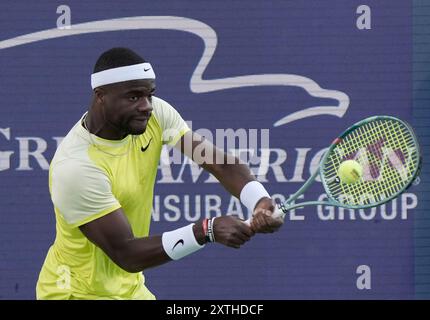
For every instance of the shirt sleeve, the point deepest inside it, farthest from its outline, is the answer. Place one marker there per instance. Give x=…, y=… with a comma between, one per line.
x=170, y=121
x=81, y=192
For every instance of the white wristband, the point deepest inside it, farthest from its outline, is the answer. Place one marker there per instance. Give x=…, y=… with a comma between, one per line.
x=251, y=193
x=180, y=242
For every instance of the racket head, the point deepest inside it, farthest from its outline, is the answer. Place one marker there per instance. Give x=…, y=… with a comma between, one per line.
x=387, y=150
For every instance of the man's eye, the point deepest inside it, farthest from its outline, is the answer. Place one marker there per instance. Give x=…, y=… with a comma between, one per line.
x=133, y=99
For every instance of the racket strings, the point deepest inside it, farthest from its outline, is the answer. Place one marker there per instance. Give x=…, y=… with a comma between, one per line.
x=383, y=190
x=387, y=153
x=392, y=175
x=392, y=178
x=397, y=173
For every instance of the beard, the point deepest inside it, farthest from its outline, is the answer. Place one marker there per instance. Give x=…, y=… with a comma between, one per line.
x=131, y=124
x=135, y=126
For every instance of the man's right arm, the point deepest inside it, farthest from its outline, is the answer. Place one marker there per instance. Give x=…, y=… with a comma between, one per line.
x=113, y=234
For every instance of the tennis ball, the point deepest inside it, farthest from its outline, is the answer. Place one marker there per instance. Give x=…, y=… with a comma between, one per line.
x=350, y=171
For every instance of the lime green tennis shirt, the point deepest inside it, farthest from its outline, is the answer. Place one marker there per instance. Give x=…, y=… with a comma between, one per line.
x=90, y=177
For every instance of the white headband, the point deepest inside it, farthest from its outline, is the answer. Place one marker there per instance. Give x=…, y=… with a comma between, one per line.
x=127, y=73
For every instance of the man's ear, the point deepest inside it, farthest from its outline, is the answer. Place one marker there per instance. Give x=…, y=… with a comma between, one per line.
x=100, y=94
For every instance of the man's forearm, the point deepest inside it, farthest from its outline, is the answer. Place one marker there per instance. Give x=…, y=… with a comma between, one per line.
x=139, y=254
x=232, y=176
x=236, y=177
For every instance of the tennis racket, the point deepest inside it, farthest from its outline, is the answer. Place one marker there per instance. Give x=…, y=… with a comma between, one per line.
x=389, y=154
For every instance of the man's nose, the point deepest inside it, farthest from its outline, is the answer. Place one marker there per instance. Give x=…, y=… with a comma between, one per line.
x=145, y=105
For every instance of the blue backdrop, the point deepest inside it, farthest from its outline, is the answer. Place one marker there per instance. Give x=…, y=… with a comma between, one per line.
x=305, y=70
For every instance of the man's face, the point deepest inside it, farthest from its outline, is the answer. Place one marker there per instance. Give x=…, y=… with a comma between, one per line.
x=128, y=105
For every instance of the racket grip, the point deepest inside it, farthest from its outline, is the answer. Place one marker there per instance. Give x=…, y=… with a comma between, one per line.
x=277, y=214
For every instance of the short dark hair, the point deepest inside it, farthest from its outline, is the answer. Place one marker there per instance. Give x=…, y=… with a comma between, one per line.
x=115, y=58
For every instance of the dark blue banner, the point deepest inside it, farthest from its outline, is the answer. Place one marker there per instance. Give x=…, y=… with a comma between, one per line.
x=287, y=75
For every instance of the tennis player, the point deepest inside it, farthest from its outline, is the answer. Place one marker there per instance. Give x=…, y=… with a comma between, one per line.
x=101, y=182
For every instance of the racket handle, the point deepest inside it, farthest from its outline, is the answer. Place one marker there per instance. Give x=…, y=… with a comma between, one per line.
x=278, y=213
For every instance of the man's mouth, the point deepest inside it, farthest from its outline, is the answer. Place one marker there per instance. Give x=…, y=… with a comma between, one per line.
x=142, y=119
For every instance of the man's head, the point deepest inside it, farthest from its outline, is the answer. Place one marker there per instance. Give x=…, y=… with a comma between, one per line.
x=123, y=85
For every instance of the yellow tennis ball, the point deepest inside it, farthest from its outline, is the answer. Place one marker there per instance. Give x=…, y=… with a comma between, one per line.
x=350, y=171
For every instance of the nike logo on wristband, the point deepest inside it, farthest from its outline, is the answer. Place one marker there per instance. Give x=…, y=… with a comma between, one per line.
x=181, y=241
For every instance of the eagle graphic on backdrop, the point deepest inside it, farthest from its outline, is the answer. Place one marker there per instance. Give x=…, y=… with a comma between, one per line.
x=197, y=83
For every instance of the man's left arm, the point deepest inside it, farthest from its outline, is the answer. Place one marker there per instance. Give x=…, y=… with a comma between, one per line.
x=236, y=177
